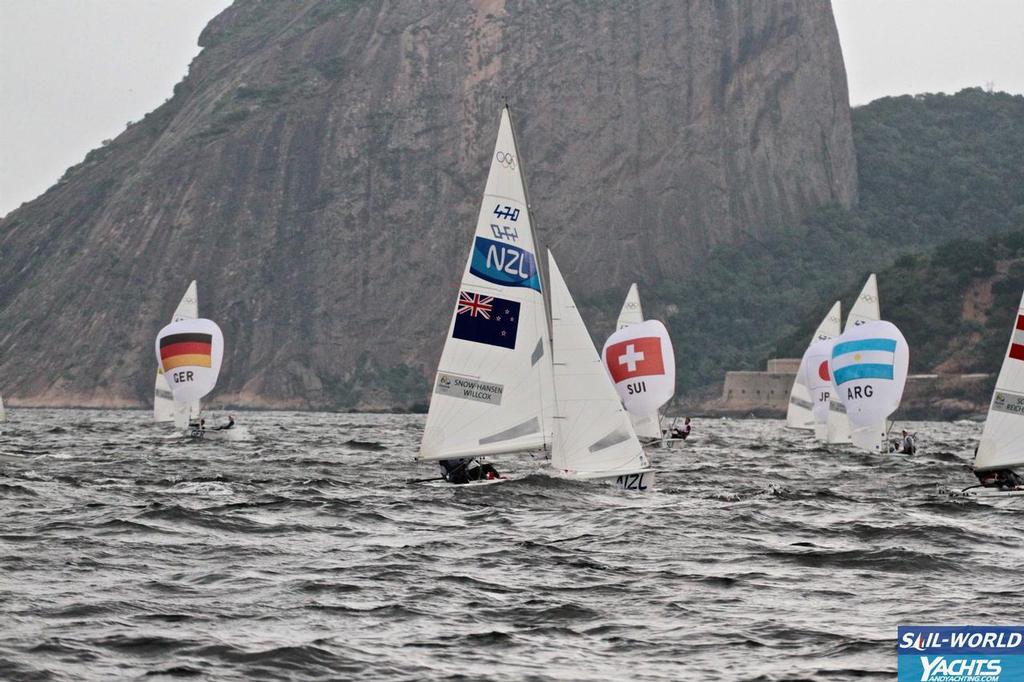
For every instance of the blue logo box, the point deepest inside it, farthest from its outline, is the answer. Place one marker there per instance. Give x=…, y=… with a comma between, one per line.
x=960, y=653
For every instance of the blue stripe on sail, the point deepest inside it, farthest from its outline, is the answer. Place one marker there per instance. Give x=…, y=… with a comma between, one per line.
x=887, y=345
x=865, y=371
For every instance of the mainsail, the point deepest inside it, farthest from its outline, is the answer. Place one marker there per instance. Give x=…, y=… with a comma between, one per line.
x=647, y=426
x=632, y=312
x=164, y=407
x=492, y=393
x=865, y=308
x=1002, y=440
x=593, y=436
x=798, y=413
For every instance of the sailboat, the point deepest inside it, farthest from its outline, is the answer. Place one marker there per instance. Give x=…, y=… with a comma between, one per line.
x=647, y=426
x=593, y=435
x=799, y=412
x=190, y=353
x=493, y=388
x=3, y=412
x=164, y=407
x=1001, y=449
x=865, y=309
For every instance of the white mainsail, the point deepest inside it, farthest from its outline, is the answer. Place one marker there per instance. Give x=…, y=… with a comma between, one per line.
x=164, y=407
x=493, y=393
x=1002, y=440
x=865, y=308
x=593, y=437
x=798, y=413
x=647, y=426
x=632, y=312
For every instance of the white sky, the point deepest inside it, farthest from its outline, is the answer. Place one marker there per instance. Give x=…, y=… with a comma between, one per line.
x=74, y=72
x=896, y=47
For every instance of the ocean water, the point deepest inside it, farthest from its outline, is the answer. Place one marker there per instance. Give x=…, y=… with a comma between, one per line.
x=126, y=553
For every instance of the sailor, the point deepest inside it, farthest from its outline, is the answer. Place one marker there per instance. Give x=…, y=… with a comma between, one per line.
x=231, y=422
x=1004, y=479
x=682, y=433
x=460, y=471
x=907, y=446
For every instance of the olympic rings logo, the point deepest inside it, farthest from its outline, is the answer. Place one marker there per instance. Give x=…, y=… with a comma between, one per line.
x=506, y=159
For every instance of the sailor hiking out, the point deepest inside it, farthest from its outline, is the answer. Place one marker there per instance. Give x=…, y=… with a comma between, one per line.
x=461, y=471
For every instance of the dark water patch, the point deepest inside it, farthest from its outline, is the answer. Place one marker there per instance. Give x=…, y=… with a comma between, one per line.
x=369, y=446
x=177, y=671
x=895, y=560
x=15, y=490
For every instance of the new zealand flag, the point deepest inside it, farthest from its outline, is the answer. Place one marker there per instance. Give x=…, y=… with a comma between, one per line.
x=486, y=319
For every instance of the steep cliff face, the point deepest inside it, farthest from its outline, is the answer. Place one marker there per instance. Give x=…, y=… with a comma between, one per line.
x=320, y=169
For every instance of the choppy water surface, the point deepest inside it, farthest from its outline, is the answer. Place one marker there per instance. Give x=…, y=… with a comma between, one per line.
x=305, y=555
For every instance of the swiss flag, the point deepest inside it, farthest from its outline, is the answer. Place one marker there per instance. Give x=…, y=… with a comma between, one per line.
x=634, y=358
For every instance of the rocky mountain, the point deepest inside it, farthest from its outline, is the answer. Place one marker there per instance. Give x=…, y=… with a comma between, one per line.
x=320, y=168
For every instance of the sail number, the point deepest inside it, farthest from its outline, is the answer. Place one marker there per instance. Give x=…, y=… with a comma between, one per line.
x=506, y=213
x=505, y=232
x=631, y=482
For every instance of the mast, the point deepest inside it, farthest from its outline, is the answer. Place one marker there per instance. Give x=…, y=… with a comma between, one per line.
x=545, y=293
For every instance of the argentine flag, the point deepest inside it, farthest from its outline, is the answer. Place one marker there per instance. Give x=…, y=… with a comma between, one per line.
x=863, y=359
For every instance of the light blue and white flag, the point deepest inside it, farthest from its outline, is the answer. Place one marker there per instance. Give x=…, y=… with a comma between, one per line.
x=863, y=359
x=869, y=364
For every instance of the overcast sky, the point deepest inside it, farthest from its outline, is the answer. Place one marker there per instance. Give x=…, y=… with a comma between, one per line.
x=74, y=72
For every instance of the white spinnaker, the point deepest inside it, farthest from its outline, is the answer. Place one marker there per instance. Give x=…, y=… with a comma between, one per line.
x=593, y=436
x=489, y=398
x=798, y=412
x=632, y=312
x=647, y=426
x=164, y=407
x=868, y=368
x=1002, y=440
x=814, y=366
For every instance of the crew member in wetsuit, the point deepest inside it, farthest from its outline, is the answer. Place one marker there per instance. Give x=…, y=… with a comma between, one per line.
x=1004, y=479
x=906, y=445
x=231, y=422
x=682, y=433
x=460, y=471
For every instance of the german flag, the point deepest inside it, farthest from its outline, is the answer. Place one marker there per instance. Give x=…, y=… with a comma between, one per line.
x=179, y=350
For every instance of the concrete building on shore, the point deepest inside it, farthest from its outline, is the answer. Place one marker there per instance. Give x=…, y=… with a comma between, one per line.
x=761, y=393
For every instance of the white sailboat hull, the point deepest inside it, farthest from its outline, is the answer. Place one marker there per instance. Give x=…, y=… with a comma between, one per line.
x=989, y=495
x=639, y=481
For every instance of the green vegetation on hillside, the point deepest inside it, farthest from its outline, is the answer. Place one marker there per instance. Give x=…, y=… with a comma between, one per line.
x=933, y=168
x=955, y=304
